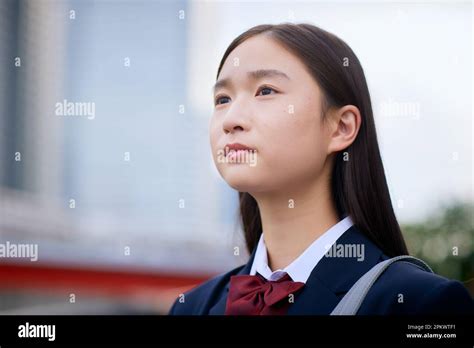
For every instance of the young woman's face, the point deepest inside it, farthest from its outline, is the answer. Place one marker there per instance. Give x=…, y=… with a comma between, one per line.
x=272, y=105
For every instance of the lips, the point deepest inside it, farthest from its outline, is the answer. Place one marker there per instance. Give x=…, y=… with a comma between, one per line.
x=237, y=147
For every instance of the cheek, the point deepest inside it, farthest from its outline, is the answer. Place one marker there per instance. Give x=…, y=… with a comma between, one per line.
x=213, y=133
x=297, y=140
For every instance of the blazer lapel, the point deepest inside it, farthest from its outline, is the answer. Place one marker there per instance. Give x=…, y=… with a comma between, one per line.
x=219, y=307
x=334, y=275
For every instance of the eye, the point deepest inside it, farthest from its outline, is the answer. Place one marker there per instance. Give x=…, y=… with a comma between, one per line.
x=265, y=90
x=221, y=100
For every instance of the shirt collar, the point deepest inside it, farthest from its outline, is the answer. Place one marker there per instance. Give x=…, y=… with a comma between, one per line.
x=300, y=269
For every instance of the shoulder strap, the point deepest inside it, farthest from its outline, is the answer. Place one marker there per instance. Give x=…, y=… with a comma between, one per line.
x=351, y=302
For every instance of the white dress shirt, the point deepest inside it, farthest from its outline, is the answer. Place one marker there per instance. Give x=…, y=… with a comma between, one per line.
x=300, y=269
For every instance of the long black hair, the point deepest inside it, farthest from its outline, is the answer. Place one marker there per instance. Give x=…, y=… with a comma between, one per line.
x=359, y=187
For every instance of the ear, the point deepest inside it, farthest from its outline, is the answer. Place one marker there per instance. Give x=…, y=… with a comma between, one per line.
x=345, y=125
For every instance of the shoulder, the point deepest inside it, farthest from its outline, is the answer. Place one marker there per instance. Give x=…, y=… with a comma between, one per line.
x=406, y=289
x=197, y=300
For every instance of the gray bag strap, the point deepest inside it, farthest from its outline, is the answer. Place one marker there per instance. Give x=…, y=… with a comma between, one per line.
x=351, y=302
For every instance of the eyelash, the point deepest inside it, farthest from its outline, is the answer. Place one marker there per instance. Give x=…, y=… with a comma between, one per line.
x=258, y=91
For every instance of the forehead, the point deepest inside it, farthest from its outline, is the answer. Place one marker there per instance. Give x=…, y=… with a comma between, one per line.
x=260, y=52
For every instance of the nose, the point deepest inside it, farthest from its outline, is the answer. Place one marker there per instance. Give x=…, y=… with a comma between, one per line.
x=228, y=128
x=235, y=120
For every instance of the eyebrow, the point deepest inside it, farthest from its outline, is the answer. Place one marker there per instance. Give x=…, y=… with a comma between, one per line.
x=254, y=75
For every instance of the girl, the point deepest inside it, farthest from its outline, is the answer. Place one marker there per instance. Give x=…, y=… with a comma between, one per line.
x=293, y=132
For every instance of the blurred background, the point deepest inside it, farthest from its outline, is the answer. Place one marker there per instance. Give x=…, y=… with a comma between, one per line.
x=105, y=162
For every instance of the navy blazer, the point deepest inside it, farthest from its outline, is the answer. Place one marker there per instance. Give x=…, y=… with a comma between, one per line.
x=421, y=292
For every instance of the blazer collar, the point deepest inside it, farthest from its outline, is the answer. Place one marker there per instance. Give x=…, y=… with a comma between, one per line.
x=332, y=277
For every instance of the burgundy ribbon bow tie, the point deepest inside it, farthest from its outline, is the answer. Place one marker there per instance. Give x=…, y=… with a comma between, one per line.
x=254, y=295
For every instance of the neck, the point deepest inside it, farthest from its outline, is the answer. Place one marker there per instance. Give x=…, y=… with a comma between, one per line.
x=288, y=230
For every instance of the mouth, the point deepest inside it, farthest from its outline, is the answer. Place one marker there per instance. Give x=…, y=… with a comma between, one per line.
x=231, y=148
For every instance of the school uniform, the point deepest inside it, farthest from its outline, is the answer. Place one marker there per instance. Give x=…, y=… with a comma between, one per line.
x=320, y=277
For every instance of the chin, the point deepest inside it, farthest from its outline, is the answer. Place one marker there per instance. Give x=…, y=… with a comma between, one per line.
x=242, y=180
